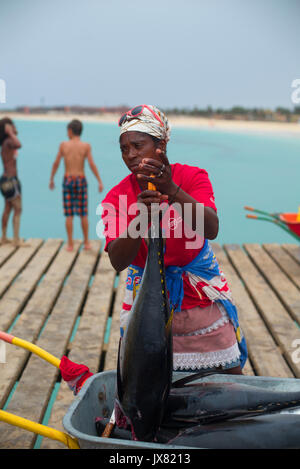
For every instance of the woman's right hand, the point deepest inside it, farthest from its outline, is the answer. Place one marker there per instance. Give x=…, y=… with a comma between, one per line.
x=149, y=197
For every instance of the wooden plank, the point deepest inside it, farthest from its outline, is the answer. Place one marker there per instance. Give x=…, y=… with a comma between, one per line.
x=15, y=297
x=89, y=338
x=33, y=317
x=237, y=292
x=63, y=401
x=285, y=262
x=87, y=345
x=288, y=293
x=113, y=344
x=6, y=250
x=279, y=323
x=17, y=262
x=293, y=250
x=31, y=396
x=248, y=369
x=262, y=349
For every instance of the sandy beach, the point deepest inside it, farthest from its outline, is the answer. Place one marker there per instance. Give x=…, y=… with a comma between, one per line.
x=175, y=121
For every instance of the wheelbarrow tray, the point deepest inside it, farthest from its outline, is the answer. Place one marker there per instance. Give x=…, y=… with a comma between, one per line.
x=96, y=399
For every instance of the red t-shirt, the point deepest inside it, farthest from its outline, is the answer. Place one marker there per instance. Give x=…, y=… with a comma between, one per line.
x=117, y=216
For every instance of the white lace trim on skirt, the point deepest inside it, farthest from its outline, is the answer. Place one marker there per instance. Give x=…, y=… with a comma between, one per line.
x=183, y=361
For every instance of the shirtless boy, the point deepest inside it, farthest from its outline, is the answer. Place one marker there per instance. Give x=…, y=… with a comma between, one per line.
x=9, y=183
x=75, y=201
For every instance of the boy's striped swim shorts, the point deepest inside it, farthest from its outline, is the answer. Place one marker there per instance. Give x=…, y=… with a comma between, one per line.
x=75, y=196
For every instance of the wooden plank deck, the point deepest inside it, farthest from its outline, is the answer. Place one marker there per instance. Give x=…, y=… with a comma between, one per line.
x=69, y=303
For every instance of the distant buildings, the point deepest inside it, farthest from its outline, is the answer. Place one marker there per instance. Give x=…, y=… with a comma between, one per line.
x=70, y=109
x=239, y=113
x=280, y=114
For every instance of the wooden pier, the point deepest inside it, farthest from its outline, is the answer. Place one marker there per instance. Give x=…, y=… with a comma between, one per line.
x=68, y=303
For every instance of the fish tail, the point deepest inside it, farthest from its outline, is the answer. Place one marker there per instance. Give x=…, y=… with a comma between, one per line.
x=168, y=325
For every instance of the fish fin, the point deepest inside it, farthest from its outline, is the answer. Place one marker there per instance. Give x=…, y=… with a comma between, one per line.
x=201, y=374
x=119, y=380
x=170, y=320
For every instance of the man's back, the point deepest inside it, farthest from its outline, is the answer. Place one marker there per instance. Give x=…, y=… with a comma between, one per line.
x=74, y=153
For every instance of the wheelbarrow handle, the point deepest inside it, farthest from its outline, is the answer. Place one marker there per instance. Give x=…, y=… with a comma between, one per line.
x=31, y=347
x=43, y=430
x=261, y=212
x=277, y=222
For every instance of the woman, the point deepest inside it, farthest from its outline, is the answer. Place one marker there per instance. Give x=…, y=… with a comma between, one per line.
x=206, y=333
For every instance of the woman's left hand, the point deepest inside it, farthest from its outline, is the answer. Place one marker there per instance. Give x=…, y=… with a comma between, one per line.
x=158, y=172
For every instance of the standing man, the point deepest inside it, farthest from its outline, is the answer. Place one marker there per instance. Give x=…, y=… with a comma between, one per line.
x=9, y=183
x=75, y=198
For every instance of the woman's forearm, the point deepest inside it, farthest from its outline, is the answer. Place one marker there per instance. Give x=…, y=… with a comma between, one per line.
x=210, y=221
x=122, y=252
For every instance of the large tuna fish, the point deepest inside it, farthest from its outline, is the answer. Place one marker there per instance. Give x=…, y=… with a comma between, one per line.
x=145, y=363
x=211, y=402
x=274, y=431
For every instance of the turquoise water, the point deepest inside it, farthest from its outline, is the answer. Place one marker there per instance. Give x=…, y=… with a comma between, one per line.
x=245, y=169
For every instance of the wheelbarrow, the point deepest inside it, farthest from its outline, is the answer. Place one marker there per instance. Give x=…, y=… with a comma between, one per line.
x=289, y=222
x=99, y=403
x=95, y=399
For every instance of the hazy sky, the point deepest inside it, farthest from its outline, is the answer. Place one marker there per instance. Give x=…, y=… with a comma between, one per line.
x=164, y=52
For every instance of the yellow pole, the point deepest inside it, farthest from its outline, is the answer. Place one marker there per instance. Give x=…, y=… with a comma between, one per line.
x=43, y=430
x=37, y=350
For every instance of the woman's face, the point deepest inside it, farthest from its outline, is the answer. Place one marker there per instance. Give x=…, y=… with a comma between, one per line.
x=135, y=146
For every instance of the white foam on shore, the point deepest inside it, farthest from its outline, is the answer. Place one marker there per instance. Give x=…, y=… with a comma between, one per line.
x=175, y=121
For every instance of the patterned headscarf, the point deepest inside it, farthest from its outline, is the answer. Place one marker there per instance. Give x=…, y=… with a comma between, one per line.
x=146, y=122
